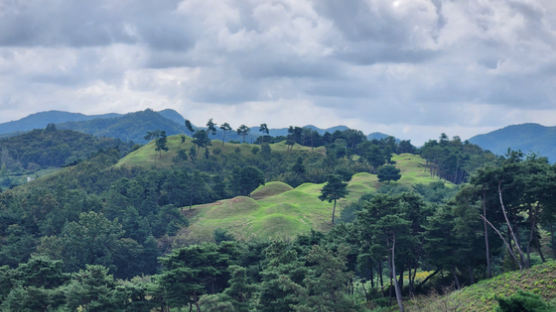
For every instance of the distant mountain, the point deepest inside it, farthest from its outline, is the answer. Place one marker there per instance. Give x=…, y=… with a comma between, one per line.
x=40, y=120
x=529, y=137
x=134, y=126
x=377, y=136
x=128, y=127
x=173, y=116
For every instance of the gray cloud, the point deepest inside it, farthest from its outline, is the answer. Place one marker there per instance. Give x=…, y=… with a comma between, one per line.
x=403, y=66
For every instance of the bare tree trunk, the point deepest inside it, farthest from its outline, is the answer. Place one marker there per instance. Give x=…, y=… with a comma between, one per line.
x=531, y=234
x=512, y=254
x=400, y=280
x=333, y=212
x=380, y=275
x=521, y=256
x=456, y=279
x=428, y=277
x=393, y=264
x=471, y=278
x=487, y=245
x=372, y=278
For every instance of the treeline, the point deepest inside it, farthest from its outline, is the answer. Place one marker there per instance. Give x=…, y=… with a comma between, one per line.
x=453, y=159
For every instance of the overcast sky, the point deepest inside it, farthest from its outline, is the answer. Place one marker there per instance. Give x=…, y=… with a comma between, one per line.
x=410, y=68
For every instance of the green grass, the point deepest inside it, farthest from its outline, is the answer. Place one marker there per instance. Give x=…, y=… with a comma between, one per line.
x=270, y=189
x=413, y=170
x=146, y=156
x=479, y=297
x=276, y=210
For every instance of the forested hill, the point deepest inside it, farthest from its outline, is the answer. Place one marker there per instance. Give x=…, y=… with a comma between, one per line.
x=42, y=119
x=129, y=127
x=33, y=151
x=529, y=138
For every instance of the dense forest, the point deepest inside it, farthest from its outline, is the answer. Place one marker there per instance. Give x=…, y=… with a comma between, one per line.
x=99, y=234
x=41, y=149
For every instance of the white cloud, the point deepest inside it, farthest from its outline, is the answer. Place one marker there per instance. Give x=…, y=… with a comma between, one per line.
x=412, y=68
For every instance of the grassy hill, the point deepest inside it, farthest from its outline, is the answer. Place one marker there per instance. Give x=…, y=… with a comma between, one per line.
x=276, y=210
x=540, y=280
x=146, y=156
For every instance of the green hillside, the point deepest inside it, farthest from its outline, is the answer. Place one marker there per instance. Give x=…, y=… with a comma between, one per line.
x=540, y=280
x=39, y=152
x=276, y=210
x=146, y=156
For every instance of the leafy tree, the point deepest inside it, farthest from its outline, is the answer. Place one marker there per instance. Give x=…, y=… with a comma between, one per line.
x=91, y=289
x=201, y=139
x=192, y=271
x=16, y=247
x=189, y=126
x=243, y=131
x=298, y=168
x=333, y=190
x=211, y=127
x=388, y=173
x=225, y=127
x=161, y=143
x=245, y=180
x=326, y=282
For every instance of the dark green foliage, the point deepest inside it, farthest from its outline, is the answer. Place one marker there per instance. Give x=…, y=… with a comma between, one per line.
x=454, y=160
x=245, y=180
x=435, y=192
x=243, y=131
x=388, y=173
x=333, y=190
x=326, y=282
x=221, y=235
x=190, y=272
x=41, y=149
x=523, y=302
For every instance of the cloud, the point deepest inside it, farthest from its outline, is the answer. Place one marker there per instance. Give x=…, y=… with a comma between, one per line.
x=412, y=68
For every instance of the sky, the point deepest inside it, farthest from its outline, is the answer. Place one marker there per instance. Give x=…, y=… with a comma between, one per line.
x=409, y=68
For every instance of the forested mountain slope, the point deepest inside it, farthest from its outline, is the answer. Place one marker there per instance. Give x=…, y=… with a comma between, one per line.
x=27, y=154
x=529, y=138
x=129, y=127
x=40, y=120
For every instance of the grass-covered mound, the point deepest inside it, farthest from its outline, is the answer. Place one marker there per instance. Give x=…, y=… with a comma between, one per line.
x=539, y=280
x=276, y=210
x=270, y=189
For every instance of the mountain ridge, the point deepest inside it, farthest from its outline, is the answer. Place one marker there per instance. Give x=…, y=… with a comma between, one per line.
x=527, y=137
x=112, y=125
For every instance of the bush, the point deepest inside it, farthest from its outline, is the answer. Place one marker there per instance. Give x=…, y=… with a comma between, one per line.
x=523, y=302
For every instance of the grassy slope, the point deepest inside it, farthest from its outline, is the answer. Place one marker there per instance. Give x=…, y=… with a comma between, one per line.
x=540, y=280
x=275, y=210
x=146, y=156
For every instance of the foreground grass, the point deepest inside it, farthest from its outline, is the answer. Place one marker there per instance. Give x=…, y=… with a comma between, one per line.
x=276, y=210
x=540, y=280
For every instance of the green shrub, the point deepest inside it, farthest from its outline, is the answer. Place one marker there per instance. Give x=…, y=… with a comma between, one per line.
x=523, y=302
